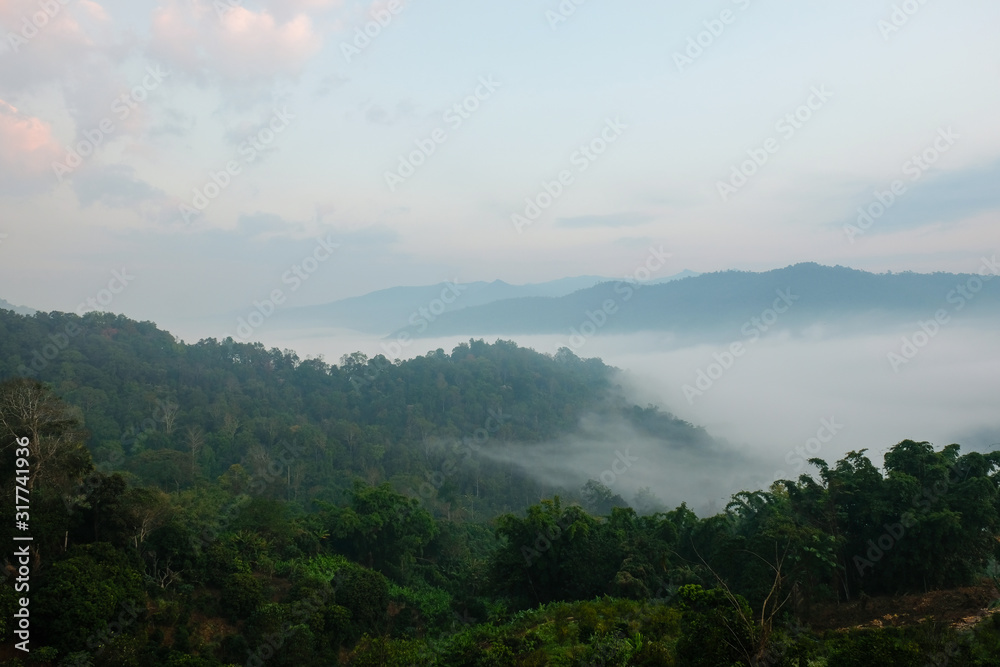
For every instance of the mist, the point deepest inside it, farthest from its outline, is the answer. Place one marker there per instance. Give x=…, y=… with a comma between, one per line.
x=789, y=397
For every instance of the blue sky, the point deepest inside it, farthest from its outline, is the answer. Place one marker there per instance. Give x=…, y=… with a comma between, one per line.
x=344, y=122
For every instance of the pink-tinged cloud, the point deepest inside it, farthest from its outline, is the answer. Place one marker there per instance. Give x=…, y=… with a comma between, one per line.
x=283, y=9
x=32, y=23
x=232, y=42
x=56, y=45
x=27, y=151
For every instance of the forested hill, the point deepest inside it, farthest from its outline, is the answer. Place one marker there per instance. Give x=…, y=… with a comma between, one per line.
x=250, y=524
x=172, y=413
x=718, y=304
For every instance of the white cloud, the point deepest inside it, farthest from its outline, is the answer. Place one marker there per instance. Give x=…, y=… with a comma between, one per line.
x=233, y=43
x=27, y=150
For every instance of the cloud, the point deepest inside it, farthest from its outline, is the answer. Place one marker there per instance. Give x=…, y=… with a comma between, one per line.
x=115, y=186
x=282, y=9
x=610, y=220
x=263, y=226
x=937, y=198
x=626, y=459
x=952, y=196
x=379, y=115
x=74, y=51
x=329, y=83
x=233, y=43
x=271, y=226
x=27, y=151
x=119, y=187
x=41, y=44
x=175, y=123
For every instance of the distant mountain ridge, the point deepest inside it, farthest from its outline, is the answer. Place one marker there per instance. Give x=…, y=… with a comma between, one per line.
x=20, y=310
x=387, y=310
x=723, y=302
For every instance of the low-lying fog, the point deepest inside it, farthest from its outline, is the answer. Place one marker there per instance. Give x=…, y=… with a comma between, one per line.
x=785, y=399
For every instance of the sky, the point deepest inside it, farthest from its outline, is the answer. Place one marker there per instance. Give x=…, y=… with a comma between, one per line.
x=198, y=156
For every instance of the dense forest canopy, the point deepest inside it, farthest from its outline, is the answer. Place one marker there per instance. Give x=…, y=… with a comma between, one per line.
x=220, y=503
x=172, y=414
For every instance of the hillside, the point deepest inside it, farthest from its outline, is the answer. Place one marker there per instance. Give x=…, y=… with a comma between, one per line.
x=719, y=304
x=384, y=311
x=148, y=400
x=219, y=503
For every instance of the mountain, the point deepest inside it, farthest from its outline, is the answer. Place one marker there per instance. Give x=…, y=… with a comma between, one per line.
x=386, y=310
x=20, y=310
x=725, y=303
x=148, y=399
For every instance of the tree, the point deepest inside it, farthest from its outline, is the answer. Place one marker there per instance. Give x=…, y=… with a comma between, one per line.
x=57, y=462
x=714, y=628
x=195, y=441
x=30, y=409
x=647, y=502
x=380, y=528
x=83, y=592
x=600, y=499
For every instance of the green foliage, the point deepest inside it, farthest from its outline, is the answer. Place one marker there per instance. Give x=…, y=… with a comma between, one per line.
x=885, y=646
x=380, y=528
x=228, y=502
x=365, y=594
x=380, y=651
x=613, y=649
x=714, y=628
x=929, y=522
x=242, y=594
x=80, y=595
x=984, y=648
x=428, y=609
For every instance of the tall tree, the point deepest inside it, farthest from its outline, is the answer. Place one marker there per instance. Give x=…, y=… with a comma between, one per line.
x=30, y=409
